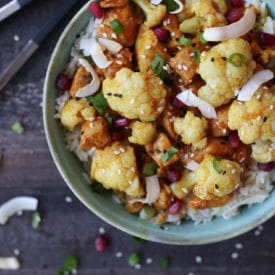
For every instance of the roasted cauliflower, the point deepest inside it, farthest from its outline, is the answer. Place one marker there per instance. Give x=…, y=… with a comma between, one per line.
x=222, y=78
x=263, y=151
x=115, y=168
x=216, y=177
x=142, y=132
x=135, y=95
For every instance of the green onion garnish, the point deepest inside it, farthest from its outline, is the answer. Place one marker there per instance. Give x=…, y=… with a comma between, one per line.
x=36, y=219
x=70, y=264
x=17, y=128
x=164, y=262
x=99, y=102
x=149, y=169
x=133, y=259
x=185, y=41
x=216, y=165
x=197, y=55
x=147, y=212
x=157, y=66
x=202, y=39
x=117, y=27
x=169, y=154
x=236, y=59
x=110, y=119
x=170, y=4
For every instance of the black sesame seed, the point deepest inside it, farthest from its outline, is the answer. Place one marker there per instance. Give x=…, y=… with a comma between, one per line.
x=113, y=56
x=216, y=186
x=224, y=172
x=212, y=59
x=265, y=119
x=224, y=58
x=109, y=94
x=223, y=142
x=193, y=45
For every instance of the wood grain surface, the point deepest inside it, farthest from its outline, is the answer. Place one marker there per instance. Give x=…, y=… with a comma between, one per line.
x=26, y=168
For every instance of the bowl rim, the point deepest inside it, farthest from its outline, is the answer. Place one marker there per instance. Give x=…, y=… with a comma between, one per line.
x=47, y=116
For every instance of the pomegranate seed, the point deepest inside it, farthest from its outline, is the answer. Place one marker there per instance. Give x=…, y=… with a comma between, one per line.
x=101, y=243
x=175, y=207
x=267, y=167
x=63, y=82
x=234, y=15
x=237, y=3
x=177, y=103
x=234, y=140
x=122, y=122
x=96, y=10
x=162, y=34
x=117, y=136
x=266, y=39
x=173, y=174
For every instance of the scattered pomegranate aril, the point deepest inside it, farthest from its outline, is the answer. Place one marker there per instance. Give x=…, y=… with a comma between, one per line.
x=116, y=136
x=175, y=207
x=234, y=140
x=96, y=10
x=234, y=15
x=237, y=3
x=266, y=39
x=121, y=122
x=101, y=243
x=163, y=35
x=63, y=82
x=267, y=167
x=177, y=103
x=173, y=174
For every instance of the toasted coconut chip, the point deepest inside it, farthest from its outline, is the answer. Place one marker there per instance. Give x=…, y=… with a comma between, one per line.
x=152, y=190
x=17, y=204
x=110, y=45
x=94, y=85
x=9, y=263
x=236, y=29
x=248, y=90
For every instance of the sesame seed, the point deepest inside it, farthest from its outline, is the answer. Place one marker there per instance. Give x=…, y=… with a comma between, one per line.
x=159, y=110
x=117, y=152
x=143, y=56
x=180, y=67
x=105, y=34
x=224, y=131
x=179, y=48
x=257, y=233
x=101, y=230
x=142, y=112
x=265, y=88
x=192, y=54
x=242, y=159
x=168, y=21
x=119, y=171
x=122, y=150
x=165, y=49
x=149, y=260
x=101, y=25
x=148, y=47
x=233, y=171
x=130, y=182
x=259, y=118
x=258, y=96
x=91, y=125
x=169, y=113
x=16, y=252
x=119, y=62
x=133, y=169
x=114, y=35
x=16, y=38
x=119, y=55
x=203, y=54
x=132, y=101
x=198, y=259
x=137, y=266
x=239, y=246
x=119, y=254
x=68, y=199
x=173, y=34
x=234, y=255
x=165, y=67
x=103, y=171
x=184, y=190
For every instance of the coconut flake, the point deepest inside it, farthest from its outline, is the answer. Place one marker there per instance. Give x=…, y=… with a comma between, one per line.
x=152, y=190
x=110, y=45
x=192, y=165
x=155, y=2
x=269, y=26
x=190, y=99
x=93, y=86
x=15, y=205
x=9, y=263
x=254, y=83
x=236, y=29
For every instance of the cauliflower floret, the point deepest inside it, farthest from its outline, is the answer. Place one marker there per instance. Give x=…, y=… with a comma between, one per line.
x=115, y=168
x=191, y=128
x=142, y=132
x=70, y=115
x=223, y=78
x=216, y=178
x=254, y=119
x=135, y=95
x=147, y=47
x=263, y=151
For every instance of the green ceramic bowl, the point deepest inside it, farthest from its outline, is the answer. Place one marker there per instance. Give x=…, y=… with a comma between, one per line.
x=103, y=205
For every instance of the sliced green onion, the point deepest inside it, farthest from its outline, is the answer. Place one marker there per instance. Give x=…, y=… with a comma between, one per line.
x=157, y=66
x=110, y=119
x=185, y=41
x=36, y=219
x=149, y=169
x=99, y=102
x=202, y=39
x=236, y=59
x=170, y=4
x=164, y=262
x=70, y=264
x=147, y=212
x=133, y=259
x=197, y=55
x=216, y=165
x=116, y=26
x=17, y=128
x=169, y=154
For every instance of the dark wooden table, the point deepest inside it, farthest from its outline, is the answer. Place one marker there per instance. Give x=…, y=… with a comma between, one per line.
x=27, y=168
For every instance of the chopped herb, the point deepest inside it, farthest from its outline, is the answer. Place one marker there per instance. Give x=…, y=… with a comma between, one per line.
x=216, y=166
x=17, y=128
x=197, y=55
x=185, y=41
x=110, y=119
x=116, y=26
x=147, y=212
x=157, y=66
x=36, y=219
x=169, y=154
x=149, y=169
x=164, y=262
x=170, y=4
x=99, y=102
x=236, y=59
x=202, y=39
x=71, y=263
x=133, y=259
x=137, y=239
